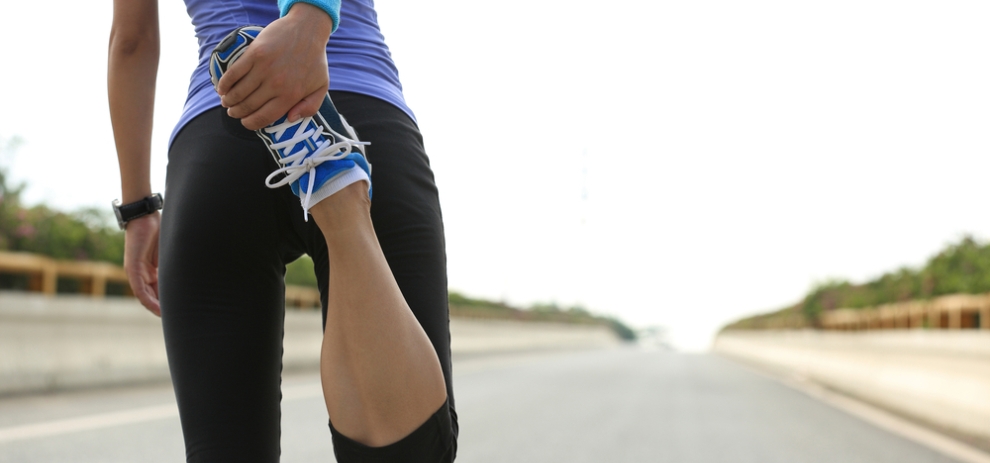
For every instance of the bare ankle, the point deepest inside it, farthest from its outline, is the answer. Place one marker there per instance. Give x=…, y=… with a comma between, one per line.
x=346, y=207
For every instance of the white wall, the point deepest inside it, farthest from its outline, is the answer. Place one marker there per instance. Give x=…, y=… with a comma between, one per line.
x=76, y=341
x=942, y=377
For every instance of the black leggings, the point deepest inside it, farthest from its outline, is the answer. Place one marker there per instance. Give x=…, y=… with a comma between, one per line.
x=225, y=240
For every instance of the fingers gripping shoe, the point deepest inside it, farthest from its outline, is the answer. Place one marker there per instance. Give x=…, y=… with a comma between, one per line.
x=318, y=155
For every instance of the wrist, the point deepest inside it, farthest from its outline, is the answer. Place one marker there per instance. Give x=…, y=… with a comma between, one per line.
x=139, y=224
x=134, y=159
x=134, y=190
x=320, y=16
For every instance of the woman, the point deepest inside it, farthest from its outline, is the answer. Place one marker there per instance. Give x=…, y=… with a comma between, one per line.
x=212, y=265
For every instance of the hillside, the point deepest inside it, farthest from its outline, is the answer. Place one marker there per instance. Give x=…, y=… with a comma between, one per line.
x=960, y=268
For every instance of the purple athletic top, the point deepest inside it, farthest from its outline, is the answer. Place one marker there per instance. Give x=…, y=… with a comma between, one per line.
x=358, y=58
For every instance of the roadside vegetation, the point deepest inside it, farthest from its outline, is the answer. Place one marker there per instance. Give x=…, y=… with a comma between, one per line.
x=463, y=306
x=85, y=234
x=961, y=268
x=300, y=273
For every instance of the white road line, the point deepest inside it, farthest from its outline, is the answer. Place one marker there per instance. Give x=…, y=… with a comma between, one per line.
x=89, y=422
x=125, y=417
x=302, y=391
x=878, y=417
x=299, y=391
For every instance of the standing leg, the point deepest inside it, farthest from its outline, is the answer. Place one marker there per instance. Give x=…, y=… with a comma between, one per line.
x=222, y=293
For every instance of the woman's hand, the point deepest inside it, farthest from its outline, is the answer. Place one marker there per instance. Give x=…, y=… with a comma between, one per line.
x=284, y=71
x=141, y=259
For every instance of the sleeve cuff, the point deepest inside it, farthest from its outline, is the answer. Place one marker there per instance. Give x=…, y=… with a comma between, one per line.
x=331, y=7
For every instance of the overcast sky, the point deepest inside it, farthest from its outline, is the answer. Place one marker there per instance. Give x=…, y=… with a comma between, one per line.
x=672, y=163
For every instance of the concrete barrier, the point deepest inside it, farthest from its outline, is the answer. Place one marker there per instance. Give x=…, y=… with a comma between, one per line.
x=51, y=343
x=480, y=336
x=939, y=377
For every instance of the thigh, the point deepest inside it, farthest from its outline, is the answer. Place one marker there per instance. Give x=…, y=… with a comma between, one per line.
x=222, y=292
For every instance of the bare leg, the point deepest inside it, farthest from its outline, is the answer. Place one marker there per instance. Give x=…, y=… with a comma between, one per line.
x=381, y=376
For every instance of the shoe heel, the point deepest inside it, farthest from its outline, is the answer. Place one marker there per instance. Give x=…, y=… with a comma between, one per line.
x=229, y=49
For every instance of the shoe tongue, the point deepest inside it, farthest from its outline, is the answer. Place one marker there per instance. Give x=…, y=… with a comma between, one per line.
x=330, y=114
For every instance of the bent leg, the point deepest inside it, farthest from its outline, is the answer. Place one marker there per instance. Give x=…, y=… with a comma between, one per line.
x=406, y=217
x=381, y=376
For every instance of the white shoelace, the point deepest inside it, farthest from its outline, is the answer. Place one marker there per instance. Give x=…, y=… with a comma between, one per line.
x=296, y=164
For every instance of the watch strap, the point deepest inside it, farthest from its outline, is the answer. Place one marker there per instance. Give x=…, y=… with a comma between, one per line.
x=127, y=212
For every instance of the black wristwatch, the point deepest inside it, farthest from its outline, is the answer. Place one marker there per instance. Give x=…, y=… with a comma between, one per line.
x=129, y=212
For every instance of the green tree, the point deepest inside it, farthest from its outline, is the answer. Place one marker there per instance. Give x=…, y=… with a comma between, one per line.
x=962, y=267
x=300, y=272
x=10, y=194
x=86, y=234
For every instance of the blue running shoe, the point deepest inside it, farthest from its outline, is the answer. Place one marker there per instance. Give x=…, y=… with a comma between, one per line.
x=318, y=155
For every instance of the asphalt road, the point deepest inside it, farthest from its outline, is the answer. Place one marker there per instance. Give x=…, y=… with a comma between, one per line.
x=622, y=405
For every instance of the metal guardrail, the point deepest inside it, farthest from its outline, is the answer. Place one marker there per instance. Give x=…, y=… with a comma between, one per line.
x=956, y=311
x=302, y=297
x=43, y=274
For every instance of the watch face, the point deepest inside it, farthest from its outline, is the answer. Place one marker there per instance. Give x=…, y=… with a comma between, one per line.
x=116, y=212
